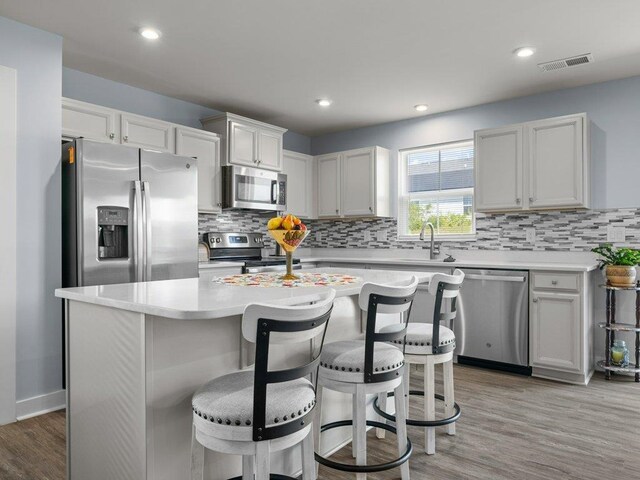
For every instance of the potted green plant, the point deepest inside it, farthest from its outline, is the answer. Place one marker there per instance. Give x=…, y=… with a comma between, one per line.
x=619, y=263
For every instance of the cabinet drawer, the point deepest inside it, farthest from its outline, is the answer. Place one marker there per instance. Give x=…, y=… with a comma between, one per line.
x=556, y=281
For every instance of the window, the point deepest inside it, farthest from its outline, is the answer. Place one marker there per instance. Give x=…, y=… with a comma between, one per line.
x=436, y=185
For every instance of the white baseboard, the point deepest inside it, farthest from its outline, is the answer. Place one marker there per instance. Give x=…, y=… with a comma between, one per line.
x=34, y=406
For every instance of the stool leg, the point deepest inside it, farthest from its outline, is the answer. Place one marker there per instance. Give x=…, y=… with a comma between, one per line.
x=360, y=422
x=354, y=427
x=406, y=381
x=308, y=459
x=317, y=422
x=197, y=457
x=263, y=461
x=447, y=374
x=429, y=406
x=401, y=428
x=382, y=403
x=248, y=467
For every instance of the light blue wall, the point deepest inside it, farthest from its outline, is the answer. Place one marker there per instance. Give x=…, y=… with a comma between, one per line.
x=100, y=91
x=613, y=107
x=37, y=57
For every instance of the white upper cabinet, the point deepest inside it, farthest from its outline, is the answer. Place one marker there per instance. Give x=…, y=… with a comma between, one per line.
x=298, y=168
x=358, y=182
x=329, y=185
x=270, y=149
x=557, y=163
x=243, y=144
x=354, y=183
x=147, y=132
x=80, y=119
x=533, y=166
x=498, y=169
x=247, y=142
x=205, y=147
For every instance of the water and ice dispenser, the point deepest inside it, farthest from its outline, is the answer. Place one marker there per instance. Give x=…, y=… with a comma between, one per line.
x=113, y=232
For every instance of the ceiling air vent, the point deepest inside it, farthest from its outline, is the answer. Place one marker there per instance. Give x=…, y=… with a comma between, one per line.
x=566, y=62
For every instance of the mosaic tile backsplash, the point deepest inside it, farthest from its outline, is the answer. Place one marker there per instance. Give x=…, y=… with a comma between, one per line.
x=567, y=231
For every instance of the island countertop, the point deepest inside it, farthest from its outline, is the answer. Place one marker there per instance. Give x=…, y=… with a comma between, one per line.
x=201, y=298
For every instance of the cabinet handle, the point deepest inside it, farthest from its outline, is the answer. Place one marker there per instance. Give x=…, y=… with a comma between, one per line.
x=112, y=136
x=535, y=300
x=219, y=204
x=531, y=199
x=125, y=138
x=336, y=210
x=371, y=209
x=518, y=201
x=554, y=282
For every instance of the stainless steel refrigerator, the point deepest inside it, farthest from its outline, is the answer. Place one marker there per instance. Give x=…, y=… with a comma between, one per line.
x=128, y=214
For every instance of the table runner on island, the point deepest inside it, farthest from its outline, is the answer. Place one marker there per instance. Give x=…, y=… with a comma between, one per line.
x=274, y=279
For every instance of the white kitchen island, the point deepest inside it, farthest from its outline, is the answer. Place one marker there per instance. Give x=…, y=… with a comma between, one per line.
x=137, y=352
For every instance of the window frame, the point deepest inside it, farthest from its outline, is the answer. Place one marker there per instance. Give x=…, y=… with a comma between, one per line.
x=403, y=194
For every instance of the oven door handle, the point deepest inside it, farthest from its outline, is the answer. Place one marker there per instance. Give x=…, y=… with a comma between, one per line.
x=274, y=192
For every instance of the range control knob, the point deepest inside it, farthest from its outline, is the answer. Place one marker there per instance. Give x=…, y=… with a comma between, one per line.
x=218, y=239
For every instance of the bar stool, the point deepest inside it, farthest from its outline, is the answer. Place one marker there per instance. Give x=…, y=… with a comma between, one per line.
x=237, y=414
x=369, y=366
x=431, y=344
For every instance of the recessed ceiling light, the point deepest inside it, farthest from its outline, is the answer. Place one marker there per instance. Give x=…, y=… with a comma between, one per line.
x=421, y=107
x=324, y=102
x=524, y=51
x=150, y=33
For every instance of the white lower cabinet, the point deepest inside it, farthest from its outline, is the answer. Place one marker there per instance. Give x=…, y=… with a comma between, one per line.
x=205, y=147
x=555, y=333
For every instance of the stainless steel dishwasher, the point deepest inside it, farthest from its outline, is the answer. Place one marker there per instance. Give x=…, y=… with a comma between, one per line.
x=492, y=326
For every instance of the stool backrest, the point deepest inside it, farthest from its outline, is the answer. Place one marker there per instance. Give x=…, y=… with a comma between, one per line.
x=376, y=298
x=444, y=287
x=270, y=324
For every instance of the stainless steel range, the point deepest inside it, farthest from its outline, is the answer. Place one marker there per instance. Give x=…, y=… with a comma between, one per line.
x=247, y=247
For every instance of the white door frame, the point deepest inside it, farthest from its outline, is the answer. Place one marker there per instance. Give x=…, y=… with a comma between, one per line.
x=8, y=244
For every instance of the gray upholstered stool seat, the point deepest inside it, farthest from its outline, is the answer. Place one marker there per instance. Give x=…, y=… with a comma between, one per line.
x=344, y=361
x=419, y=337
x=228, y=400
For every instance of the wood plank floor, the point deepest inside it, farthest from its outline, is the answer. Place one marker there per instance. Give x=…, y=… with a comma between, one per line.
x=512, y=427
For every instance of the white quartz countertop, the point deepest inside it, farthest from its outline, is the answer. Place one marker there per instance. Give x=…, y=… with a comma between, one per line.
x=200, y=298
x=582, y=266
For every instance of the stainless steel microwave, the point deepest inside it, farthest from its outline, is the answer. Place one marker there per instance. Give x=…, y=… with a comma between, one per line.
x=254, y=188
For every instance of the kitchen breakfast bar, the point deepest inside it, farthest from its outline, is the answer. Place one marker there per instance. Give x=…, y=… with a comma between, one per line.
x=137, y=352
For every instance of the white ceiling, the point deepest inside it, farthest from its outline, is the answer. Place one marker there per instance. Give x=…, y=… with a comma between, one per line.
x=376, y=59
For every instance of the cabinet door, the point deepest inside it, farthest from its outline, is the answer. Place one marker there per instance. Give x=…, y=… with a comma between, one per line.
x=299, y=170
x=555, y=331
x=329, y=185
x=498, y=169
x=243, y=144
x=80, y=119
x=556, y=171
x=147, y=133
x=205, y=147
x=358, y=182
x=270, y=150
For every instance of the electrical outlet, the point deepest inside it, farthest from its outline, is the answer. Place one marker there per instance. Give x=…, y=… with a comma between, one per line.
x=616, y=234
x=530, y=235
x=367, y=236
x=319, y=237
x=381, y=235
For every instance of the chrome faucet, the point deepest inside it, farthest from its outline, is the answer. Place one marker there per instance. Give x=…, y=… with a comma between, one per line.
x=433, y=253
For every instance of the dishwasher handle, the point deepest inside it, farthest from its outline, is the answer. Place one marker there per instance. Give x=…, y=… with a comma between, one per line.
x=495, y=278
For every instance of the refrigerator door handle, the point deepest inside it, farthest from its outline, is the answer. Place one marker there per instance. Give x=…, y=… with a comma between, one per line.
x=137, y=231
x=146, y=219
